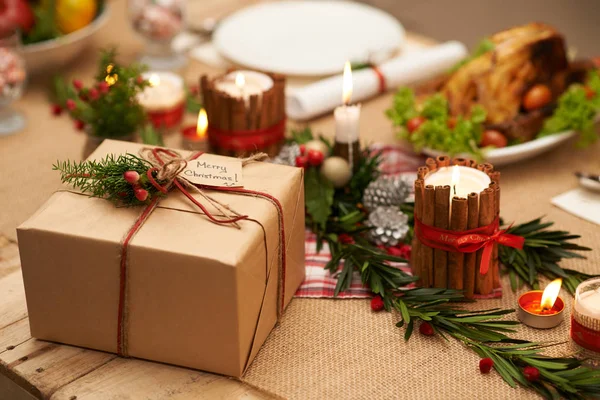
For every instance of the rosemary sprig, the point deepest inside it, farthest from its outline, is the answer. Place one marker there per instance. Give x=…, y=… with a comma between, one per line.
x=486, y=333
x=543, y=250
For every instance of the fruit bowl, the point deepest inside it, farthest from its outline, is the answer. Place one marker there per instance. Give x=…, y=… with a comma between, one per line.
x=50, y=55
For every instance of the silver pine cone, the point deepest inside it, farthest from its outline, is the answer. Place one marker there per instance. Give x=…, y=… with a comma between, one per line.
x=389, y=226
x=386, y=192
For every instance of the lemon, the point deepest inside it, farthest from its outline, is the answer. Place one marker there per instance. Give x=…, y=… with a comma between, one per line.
x=72, y=15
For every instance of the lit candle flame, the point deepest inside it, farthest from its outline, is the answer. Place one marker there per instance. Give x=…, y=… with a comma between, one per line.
x=550, y=294
x=240, y=81
x=202, y=123
x=347, y=84
x=154, y=80
x=455, y=178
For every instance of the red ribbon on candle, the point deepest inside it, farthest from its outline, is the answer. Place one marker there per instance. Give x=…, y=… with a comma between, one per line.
x=584, y=336
x=246, y=140
x=468, y=241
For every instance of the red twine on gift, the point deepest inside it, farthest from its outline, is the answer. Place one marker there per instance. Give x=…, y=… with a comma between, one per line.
x=246, y=140
x=584, y=336
x=468, y=241
x=121, y=328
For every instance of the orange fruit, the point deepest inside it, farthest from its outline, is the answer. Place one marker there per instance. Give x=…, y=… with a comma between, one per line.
x=72, y=15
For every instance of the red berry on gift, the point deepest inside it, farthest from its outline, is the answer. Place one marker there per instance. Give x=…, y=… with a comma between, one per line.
x=589, y=92
x=56, y=109
x=77, y=84
x=140, y=194
x=302, y=148
x=485, y=365
x=103, y=87
x=301, y=161
x=414, y=123
x=131, y=177
x=532, y=374
x=93, y=94
x=377, y=303
x=70, y=104
x=344, y=238
x=426, y=329
x=79, y=125
x=122, y=194
x=315, y=157
x=139, y=80
x=393, y=251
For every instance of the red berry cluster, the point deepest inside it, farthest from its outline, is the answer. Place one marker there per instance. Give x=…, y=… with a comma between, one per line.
x=89, y=95
x=401, y=250
x=485, y=365
x=426, y=329
x=312, y=157
x=133, y=178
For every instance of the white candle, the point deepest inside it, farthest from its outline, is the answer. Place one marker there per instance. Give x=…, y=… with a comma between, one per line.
x=462, y=180
x=243, y=84
x=587, y=299
x=166, y=91
x=346, y=116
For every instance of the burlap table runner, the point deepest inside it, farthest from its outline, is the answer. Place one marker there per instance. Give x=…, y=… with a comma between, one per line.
x=323, y=349
x=339, y=349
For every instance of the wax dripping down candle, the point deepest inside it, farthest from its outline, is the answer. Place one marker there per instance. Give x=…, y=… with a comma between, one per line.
x=347, y=118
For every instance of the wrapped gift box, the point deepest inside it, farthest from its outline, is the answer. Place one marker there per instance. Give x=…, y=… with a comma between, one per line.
x=199, y=294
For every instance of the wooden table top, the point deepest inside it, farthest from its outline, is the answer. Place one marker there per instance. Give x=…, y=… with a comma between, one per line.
x=53, y=371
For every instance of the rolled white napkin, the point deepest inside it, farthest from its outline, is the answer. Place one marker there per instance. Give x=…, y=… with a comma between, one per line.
x=324, y=95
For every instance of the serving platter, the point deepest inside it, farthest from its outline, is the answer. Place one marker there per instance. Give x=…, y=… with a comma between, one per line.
x=519, y=152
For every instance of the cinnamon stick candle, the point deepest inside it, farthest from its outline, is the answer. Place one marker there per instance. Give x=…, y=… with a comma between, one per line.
x=246, y=112
x=452, y=199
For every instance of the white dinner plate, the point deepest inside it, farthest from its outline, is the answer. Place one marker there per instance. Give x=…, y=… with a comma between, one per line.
x=307, y=38
x=518, y=152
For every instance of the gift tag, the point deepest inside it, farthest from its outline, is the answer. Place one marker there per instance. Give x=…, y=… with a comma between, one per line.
x=225, y=172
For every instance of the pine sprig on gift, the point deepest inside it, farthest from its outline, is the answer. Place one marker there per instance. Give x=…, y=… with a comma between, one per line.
x=105, y=178
x=543, y=250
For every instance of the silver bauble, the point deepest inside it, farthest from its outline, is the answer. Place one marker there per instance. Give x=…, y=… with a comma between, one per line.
x=389, y=226
x=287, y=155
x=386, y=192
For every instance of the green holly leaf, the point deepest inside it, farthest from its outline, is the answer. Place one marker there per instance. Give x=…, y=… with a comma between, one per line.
x=318, y=193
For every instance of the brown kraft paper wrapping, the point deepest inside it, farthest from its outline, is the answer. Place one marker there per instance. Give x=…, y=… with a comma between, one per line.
x=199, y=294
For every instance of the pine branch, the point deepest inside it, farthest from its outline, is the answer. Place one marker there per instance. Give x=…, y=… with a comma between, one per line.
x=104, y=178
x=542, y=251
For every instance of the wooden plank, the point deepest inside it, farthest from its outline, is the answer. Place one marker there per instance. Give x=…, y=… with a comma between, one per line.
x=12, y=296
x=14, y=334
x=49, y=366
x=130, y=378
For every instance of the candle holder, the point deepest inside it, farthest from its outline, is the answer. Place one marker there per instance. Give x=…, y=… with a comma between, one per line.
x=465, y=209
x=164, y=99
x=191, y=140
x=530, y=313
x=585, y=318
x=246, y=112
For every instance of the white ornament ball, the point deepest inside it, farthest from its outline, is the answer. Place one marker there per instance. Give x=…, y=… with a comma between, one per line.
x=317, y=145
x=337, y=171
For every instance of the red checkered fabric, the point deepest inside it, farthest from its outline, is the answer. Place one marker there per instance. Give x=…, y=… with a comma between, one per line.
x=320, y=283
